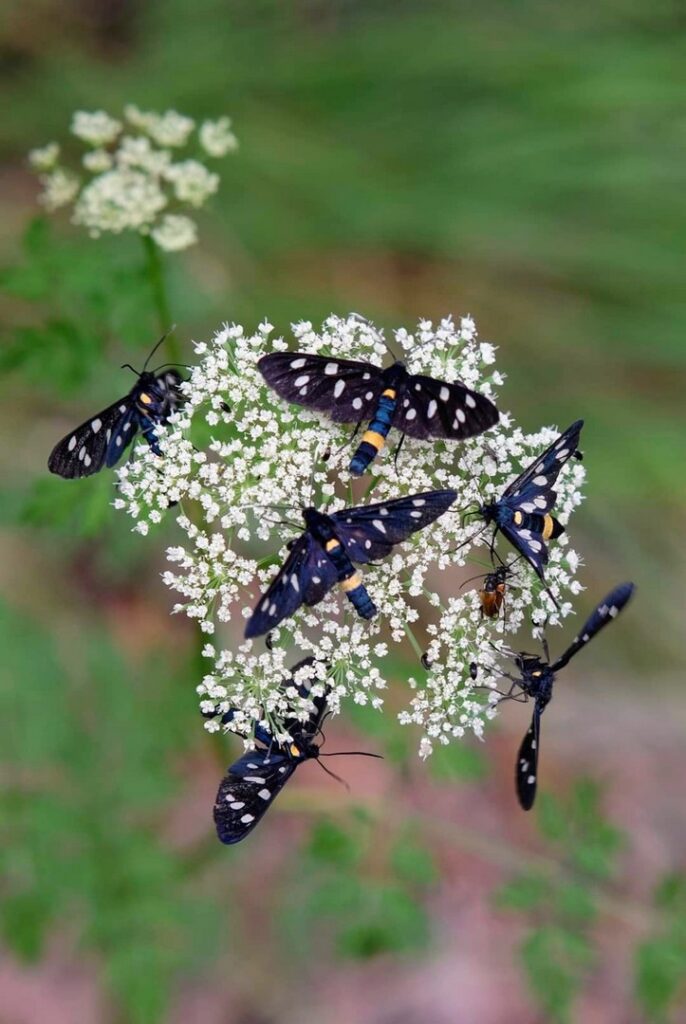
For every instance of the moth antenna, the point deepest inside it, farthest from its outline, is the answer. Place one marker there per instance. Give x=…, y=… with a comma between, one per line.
x=155, y=348
x=333, y=774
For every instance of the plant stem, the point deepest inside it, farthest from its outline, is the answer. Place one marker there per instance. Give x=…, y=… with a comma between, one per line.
x=155, y=272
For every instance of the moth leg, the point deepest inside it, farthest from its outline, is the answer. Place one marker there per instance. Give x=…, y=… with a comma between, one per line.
x=397, y=452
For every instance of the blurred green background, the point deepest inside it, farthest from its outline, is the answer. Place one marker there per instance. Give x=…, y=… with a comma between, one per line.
x=523, y=163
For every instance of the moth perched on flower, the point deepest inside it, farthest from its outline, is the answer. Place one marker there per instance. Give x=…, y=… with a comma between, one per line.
x=242, y=464
x=131, y=178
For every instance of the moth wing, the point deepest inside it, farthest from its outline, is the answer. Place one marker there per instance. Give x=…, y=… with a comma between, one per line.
x=91, y=445
x=247, y=790
x=306, y=575
x=370, y=531
x=433, y=408
x=540, y=476
x=526, y=769
x=608, y=609
x=344, y=389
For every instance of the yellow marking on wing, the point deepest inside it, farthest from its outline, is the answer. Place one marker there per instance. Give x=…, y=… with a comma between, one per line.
x=518, y=517
x=352, y=583
x=375, y=440
x=548, y=527
x=332, y=544
x=145, y=399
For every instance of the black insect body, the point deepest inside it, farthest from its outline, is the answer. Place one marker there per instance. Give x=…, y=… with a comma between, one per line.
x=102, y=439
x=536, y=681
x=324, y=554
x=523, y=512
x=258, y=776
x=354, y=392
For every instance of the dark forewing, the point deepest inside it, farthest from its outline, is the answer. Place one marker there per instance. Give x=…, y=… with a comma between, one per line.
x=530, y=545
x=526, y=769
x=306, y=576
x=370, y=531
x=345, y=390
x=87, y=449
x=532, y=491
x=432, y=408
x=607, y=610
x=247, y=790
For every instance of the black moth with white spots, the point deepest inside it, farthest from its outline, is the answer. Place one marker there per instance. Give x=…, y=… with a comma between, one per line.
x=522, y=513
x=356, y=392
x=255, y=779
x=536, y=681
x=102, y=439
x=323, y=555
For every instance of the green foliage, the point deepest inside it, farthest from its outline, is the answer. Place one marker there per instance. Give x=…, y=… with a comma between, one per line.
x=360, y=889
x=660, y=968
x=560, y=897
x=82, y=809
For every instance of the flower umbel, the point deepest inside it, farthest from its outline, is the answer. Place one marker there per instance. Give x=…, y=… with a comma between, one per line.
x=241, y=464
x=132, y=180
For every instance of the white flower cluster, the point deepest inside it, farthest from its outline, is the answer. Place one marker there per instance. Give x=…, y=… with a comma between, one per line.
x=133, y=180
x=241, y=463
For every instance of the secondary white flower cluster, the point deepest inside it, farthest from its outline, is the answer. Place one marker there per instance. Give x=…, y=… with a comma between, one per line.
x=131, y=178
x=241, y=463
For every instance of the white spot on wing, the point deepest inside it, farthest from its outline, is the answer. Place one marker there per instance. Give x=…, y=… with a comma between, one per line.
x=379, y=525
x=301, y=381
x=411, y=414
x=72, y=443
x=95, y=425
x=470, y=401
x=264, y=794
x=357, y=403
x=247, y=818
x=431, y=411
x=444, y=394
x=331, y=369
x=339, y=389
x=298, y=364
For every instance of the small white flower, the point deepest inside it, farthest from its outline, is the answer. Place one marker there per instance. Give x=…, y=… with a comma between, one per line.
x=118, y=200
x=97, y=161
x=175, y=232
x=265, y=460
x=97, y=129
x=45, y=158
x=59, y=189
x=193, y=183
x=138, y=152
x=171, y=129
x=216, y=137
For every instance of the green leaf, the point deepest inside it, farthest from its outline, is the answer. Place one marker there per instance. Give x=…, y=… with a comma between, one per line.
x=524, y=893
x=412, y=862
x=390, y=921
x=332, y=844
x=458, y=760
x=660, y=976
x=555, y=961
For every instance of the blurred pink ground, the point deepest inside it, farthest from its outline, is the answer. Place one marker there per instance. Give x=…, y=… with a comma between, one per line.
x=470, y=974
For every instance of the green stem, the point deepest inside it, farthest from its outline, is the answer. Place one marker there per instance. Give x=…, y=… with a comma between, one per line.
x=155, y=272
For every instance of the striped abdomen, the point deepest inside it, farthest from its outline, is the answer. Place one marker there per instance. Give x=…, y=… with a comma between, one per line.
x=375, y=436
x=546, y=526
x=350, y=580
